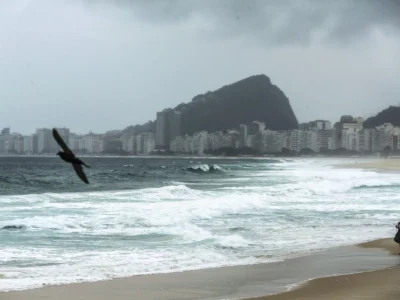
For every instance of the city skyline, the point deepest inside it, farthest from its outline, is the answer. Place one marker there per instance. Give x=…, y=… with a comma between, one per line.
x=155, y=120
x=318, y=136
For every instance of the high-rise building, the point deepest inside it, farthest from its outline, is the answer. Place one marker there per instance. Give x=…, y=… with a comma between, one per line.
x=168, y=127
x=73, y=142
x=19, y=144
x=111, y=145
x=346, y=126
x=272, y=141
x=161, y=130
x=395, y=142
x=177, y=145
x=321, y=139
x=242, y=135
x=295, y=140
x=44, y=138
x=28, y=144
x=148, y=142
x=131, y=147
x=304, y=126
x=7, y=144
x=173, y=125
x=64, y=133
x=199, y=142
x=139, y=144
x=285, y=139
x=2, y=144
x=188, y=144
x=127, y=144
x=385, y=133
x=90, y=143
x=46, y=142
x=347, y=119
x=5, y=131
x=255, y=127
x=320, y=125
x=259, y=142
x=35, y=143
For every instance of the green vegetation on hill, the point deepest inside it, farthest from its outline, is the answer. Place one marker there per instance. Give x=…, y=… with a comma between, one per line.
x=150, y=126
x=388, y=115
x=252, y=99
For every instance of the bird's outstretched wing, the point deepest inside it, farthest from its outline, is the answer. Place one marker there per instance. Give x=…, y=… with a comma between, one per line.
x=60, y=142
x=79, y=171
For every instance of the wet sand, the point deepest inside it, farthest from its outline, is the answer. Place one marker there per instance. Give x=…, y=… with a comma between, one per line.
x=376, y=285
x=253, y=281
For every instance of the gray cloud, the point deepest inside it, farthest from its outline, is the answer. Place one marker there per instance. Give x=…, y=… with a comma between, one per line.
x=273, y=21
x=98, y=65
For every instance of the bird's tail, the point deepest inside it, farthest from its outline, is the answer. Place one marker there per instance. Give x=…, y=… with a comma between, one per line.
x=86, y=165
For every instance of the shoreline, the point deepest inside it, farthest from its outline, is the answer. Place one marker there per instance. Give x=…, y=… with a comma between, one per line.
x=380, y=164
x=374, y=285
x=239, y=282
x=377, y=284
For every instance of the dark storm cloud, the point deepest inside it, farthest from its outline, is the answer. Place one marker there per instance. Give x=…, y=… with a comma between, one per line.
x=275, y=21
x=122, y=61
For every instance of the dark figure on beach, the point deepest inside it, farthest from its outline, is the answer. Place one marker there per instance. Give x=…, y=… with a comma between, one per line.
x=69, y=157
x=397, y=236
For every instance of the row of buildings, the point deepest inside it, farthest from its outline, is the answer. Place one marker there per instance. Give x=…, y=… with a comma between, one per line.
x=317, y=136
x=168, y=127
x=42, y=142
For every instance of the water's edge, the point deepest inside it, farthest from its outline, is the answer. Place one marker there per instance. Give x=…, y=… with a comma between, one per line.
x=237, y=282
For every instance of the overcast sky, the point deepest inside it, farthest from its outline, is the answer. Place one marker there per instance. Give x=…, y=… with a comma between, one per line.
x=107, y=64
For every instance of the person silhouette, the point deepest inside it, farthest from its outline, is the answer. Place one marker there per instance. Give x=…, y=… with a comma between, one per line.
x=397, y=236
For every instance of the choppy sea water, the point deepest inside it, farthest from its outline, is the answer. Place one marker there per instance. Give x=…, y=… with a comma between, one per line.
x=153, y=215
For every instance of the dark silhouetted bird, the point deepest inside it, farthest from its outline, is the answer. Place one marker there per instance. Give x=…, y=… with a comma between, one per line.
x=68, y=156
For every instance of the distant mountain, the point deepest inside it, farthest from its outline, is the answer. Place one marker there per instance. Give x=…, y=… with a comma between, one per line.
x=252, y=99
x=388, y=115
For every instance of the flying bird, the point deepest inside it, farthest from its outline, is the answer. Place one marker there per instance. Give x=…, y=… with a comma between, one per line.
x=68, y=156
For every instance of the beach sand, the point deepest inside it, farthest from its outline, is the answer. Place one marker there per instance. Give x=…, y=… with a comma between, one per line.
x=379, y=164
x=255, y=280
x=377, y=285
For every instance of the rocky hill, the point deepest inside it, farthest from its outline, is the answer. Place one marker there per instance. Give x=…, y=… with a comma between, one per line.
x=388, y=115
x=252, y=99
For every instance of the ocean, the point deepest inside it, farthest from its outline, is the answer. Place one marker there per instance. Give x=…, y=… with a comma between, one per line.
x=158, y=215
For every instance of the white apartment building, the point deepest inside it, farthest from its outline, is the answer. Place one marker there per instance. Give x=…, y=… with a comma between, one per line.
x=251, y=141
x=295, y=140
x=188, y=144
x=28, y=144
x=385, y=135
x=199, y=142
x=273, y=141
x=178, y=145
x=73, y=142
x=149, y=142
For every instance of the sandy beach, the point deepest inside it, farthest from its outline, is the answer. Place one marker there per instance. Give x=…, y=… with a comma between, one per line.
x=377, y=285
x=378, y=164
x=254, y=280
